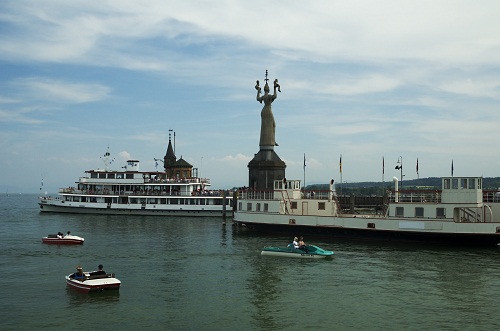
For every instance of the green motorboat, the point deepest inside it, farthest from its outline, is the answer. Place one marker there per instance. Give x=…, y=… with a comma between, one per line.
x=312, y=252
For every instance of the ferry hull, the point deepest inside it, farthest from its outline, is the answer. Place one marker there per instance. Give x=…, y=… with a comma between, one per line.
x=49, y=208
x=371, y=229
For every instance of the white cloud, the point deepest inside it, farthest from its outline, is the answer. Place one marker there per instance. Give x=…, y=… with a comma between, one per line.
x=62, y=91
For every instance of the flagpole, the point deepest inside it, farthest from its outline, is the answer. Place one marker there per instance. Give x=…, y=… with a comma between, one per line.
x=304, y=172
x=383, y=175
x=341, y=181
x=418, y=174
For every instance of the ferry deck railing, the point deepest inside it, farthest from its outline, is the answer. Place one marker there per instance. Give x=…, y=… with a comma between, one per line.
x=206, y=193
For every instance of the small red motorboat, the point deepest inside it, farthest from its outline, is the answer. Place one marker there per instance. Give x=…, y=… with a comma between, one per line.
x=59, y=239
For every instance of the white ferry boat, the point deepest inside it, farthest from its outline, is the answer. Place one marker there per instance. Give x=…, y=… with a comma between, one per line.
x=132, y=192
x=456, y=214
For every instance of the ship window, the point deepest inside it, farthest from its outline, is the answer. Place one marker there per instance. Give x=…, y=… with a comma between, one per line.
x=321, y=206
x=293, y=204
x=472, y=183
x=240, y=206
x=447, y=184
x=463, y=183
x=440, y=212
x=266, y=207
x=454, y=183
x=479, y=184
x=400, y=211
x=111, y=176
x=102, y=175
x=93, y=175
x=257, y=207
x=130, y=176
x=249, y=206
x=419, y=212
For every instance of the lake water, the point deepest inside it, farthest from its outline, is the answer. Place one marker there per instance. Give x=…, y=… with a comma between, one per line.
x=201, y=274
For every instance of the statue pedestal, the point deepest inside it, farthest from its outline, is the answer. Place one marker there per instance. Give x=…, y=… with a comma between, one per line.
x=265, y=168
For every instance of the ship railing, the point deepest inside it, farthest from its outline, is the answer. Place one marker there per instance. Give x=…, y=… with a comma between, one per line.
x=491, y=196
x=256, y=195
x=201, y=193
x=193, y=180
x=270, y=194
x=417, y=196
x=316, y=194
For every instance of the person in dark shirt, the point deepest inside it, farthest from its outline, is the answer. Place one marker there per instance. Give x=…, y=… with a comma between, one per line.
x=99, y=271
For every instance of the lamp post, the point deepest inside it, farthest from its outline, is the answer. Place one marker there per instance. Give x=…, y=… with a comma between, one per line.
x=399, y=167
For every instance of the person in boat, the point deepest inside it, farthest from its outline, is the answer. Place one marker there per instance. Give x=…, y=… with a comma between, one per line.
x=302, y=245
x=59, y=235
x=295, y=242
x=99, y=271
x=78, y=275
x=68, y=233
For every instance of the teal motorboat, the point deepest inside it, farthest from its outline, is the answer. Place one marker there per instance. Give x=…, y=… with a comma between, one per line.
x=313, y=252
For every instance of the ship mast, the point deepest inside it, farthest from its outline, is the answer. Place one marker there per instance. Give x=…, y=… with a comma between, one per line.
x=107, y=159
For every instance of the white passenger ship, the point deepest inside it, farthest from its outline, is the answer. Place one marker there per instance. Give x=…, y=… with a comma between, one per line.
x=459, y=213
x=133, y=192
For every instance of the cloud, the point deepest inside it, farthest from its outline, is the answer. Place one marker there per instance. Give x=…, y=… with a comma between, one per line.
x=237, y=158
x=62, y=91
x=12, y=116
x=124, y=155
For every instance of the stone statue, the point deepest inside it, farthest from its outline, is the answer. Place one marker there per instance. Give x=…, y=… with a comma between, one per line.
x=268, y=126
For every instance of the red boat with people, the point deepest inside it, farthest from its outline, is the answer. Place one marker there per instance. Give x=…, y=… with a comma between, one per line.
x=94, y=281
x=60, y=239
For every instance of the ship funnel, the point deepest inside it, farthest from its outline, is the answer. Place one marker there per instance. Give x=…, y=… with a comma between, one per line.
x=396, y=189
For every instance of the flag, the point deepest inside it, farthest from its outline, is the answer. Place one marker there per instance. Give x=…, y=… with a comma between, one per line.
x=451, y=168
x=304, y=160
x=417, y=165
x=340, y=163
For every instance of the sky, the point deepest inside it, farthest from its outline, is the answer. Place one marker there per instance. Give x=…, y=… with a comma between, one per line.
x=368, y=82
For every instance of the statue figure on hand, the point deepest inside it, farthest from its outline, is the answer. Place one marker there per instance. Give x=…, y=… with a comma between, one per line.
x=268, y=126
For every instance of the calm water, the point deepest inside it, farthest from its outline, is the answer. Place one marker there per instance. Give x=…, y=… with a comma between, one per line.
x=198, y=274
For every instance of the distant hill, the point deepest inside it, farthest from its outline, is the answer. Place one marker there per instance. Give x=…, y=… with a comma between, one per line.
x=376, y=188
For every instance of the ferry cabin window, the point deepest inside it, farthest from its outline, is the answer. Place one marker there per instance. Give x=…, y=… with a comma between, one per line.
x=129, y=176
x=249, y=206
x=419, y=212
x=472, y=183
x=454, y=183
x=479, y=184
x=321, y=206
x=257, y=207
x=463, y=183
x=400, y=211
x=447, y=184
x=93, y=175
x=266, y=207
x=293, y=204
x=111, y=176
x=102, y=175
x=440, y=213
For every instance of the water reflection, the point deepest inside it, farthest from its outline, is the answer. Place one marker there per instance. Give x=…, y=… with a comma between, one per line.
x=107, y=297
